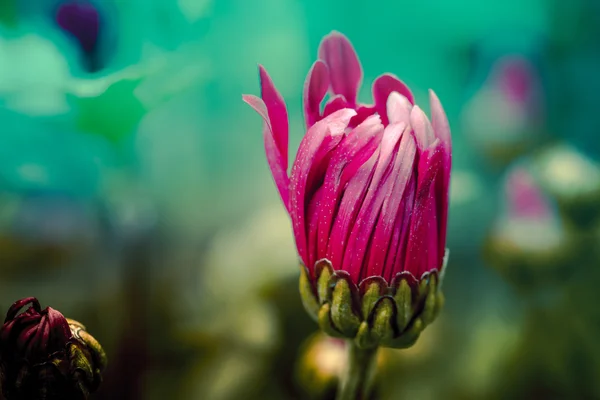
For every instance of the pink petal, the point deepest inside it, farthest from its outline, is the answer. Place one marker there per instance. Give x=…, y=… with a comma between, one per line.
x=422, y=128
x=314, y=148
x=313, y=224
x=439, y=121
x=398, y=108
x=391, y=210
x=353, y=151
x=315, y=88
x=383, y=86
x=394, y=262
x=334, y=104
x=348, y=209
x=345, y=71
x=277, y=161
x=354, y=255
x=362, y=113
x=422, y=248
x=441, y=127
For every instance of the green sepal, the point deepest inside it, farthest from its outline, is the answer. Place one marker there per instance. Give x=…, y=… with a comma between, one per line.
x=372, y=313
x=325, y=322
x=408, y=338
x=371, y=295
x=439, y=303
x=342, y=312
x=363, y=337
x=382, y=328
x=324, y=272
x=309, y=300
x=404, y=305
x=429, y=308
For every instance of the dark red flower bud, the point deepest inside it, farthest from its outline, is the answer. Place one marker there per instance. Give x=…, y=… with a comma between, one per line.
x=45, y=356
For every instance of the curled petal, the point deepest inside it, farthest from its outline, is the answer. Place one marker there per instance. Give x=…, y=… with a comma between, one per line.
x=345, y=71
x=315, y=88
x=334, y=104
x=17, y=305
x=362, y=113
x=383, y=86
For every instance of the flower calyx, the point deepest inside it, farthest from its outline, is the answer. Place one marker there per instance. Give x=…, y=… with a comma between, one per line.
x=372, y=313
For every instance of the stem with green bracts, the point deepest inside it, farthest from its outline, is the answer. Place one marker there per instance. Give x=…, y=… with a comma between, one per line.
x=359, y=372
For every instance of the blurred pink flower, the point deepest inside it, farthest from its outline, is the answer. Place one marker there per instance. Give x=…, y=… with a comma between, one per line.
x=525, y=199
x=368, y=190
x=529, y=218
x=505, y=116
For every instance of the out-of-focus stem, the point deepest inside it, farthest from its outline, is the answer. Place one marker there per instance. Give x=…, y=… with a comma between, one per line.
x=358, y=375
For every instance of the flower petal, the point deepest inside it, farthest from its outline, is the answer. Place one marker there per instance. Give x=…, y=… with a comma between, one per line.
x=439, y=121
x=441, y=127
x=334, y=104
x=275, y=132
x=422, y=128
x=315, y=88
x=383, y=86
x=391, y=211
x=422, y=248
x=361, y=234
x=394, y=262
x=345, y=71
x=313, y=150
x=355, y=192
x=312, y=215
x=17, y=305
x=362, y=113
x=353, y=151
x=398, y=108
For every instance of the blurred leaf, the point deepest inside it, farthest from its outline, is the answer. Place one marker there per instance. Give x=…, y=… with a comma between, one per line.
x=113, y=114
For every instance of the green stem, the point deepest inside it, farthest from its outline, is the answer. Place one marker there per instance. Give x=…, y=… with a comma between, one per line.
x=360, y=369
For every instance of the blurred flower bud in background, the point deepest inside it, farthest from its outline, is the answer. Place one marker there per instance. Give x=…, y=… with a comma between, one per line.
x=505, y=117
x=529, y=242
x=573, y=179
x=505, y=114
